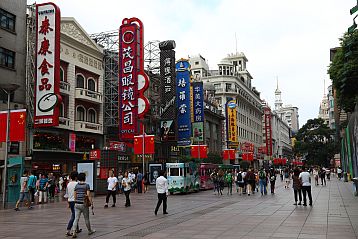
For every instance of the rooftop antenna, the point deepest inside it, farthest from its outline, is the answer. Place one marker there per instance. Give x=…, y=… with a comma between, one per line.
x=277, y=82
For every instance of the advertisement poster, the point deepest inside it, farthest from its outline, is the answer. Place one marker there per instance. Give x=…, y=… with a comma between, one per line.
x=86, y=168
x=198, y=131
x=167, y=130
x=154, y=170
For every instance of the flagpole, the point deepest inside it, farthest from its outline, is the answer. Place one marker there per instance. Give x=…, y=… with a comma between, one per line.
x=143, y=147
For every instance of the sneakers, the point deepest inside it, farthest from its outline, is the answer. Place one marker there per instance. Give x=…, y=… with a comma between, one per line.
x=113, y=205
x=295, y=204
x=68, y=234
x=165, y=212
x=74, y=235
x=91, y=232
x=16, y=209
x=79, y=230
x=299, y=203
x=105, y=206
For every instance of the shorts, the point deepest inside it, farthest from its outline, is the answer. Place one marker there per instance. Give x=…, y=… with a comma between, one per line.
x=241, y=184
x=24, y=195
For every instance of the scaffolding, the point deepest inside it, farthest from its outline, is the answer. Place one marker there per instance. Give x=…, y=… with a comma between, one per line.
x=110, y=42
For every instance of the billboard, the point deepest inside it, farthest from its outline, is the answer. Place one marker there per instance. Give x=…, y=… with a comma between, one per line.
x=167, y=130
x=47, y=74
x=198, y=132
x=198, y=102
x=231, y=120
x=183, y=102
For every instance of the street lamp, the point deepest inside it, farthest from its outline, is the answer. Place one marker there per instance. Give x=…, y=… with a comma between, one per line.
x=8, y=89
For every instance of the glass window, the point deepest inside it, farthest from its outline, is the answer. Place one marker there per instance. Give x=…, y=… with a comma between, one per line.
x=80, y=81
x=80, y=114
x=62, y=75
x=174, y=172
x=7, y=58
x=62, y=110
x=91, y=85
x=92, y=116
x=7, y=20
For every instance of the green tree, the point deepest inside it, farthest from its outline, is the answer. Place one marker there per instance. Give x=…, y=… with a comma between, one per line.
x=315, y=142
x=343, y=71
x=213, y=158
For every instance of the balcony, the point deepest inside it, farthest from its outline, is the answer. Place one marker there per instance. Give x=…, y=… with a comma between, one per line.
x=65, y=87
x=88, y=95
x=220, y=90
x=64, y=123
x=88, y=127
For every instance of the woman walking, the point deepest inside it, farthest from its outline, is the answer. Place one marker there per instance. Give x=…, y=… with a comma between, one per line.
x=126, y=183
x=82, y=190
x=297, y=186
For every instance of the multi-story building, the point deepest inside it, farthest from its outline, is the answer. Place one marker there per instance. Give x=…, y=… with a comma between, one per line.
x=232, y=81
x=199, y=67
x=81, y=110
x=324, y=109
x=287, y=113
x=331, y=103
x=13, y=62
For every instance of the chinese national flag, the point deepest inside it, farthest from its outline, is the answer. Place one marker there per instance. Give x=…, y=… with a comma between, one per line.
x=232, y=154
x=194, y=151
x=17, y=125
x=149, y=144
x=199, y=151
x=225, y=154
x=138, y=144
x=203, y=151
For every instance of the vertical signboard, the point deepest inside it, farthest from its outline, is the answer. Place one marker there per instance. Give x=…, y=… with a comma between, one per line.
x=231, y=120
x=183, y=102
x=72, y=142
x=47, y=79
x=168, y=91
x=268, y=131
x=128, y=88
x=198, y=112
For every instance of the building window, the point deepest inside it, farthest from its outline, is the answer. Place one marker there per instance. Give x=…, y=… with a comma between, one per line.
x=62, y=110
x=92, y=116
x=80, y=81
x=80, y=113
x=228, y=87
x=62, y=74
x=7, y=58
x=91, y=85
x=7, y=20
x=196, y=63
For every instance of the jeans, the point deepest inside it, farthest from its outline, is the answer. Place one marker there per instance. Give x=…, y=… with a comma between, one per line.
x=32, y=194
x=139, y=186
x=128, y=201
x=162, y=197
x=272, y=186
x=306, y=189
x=109, y=193
x=323, y=179
x=263, y=186
x=297, y=191
x=72, y=219
x=79, y=209
x=229, y=188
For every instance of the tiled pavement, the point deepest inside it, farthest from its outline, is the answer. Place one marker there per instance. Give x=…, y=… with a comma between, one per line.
x=201, y=215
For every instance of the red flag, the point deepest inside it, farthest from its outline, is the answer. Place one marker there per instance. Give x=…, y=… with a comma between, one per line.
x=17, y=125
x=149, y=144
x=203, y=151
x=231, y=154
x=138, y=144
x=194, y=151
x=3, y=118
x=225, y=154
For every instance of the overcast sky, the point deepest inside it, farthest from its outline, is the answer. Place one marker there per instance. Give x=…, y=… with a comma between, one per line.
x=284, y=39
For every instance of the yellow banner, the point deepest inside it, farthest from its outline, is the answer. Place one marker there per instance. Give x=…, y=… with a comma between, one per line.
x=232, y=122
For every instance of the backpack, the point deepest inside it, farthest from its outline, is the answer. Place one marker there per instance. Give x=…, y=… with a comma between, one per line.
x=239, y=177
x=262, y=175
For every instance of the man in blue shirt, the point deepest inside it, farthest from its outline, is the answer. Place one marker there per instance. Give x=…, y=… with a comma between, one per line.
x=139, y=182
x=31, y=184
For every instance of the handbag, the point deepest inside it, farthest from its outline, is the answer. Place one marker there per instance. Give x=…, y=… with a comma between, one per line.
x=87, y=201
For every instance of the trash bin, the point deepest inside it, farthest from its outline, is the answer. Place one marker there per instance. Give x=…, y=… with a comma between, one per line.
x=355, y=186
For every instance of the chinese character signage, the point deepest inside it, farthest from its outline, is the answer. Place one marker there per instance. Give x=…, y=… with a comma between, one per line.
x=183, y=102
x=47, y=80
x=231, y=120
x=133, y=81
x=198, y=102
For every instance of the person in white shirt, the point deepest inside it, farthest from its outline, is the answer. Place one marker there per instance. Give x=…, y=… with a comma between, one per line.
x=305, y=178
x=162, y=189
x=126, y=183
x=111, y=189
x=70, y=190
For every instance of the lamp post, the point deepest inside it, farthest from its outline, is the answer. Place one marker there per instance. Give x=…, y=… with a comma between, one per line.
x=8, y=89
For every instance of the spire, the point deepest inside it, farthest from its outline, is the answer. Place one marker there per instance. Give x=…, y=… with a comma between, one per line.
x=278, y=100
x=277, y=91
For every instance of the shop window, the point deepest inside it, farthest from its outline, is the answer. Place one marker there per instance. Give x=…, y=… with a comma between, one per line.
x=50, y=141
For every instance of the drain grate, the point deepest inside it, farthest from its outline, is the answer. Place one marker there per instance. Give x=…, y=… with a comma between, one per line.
x=175, y=221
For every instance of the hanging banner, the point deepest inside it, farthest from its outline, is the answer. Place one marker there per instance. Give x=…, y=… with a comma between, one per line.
x=72, y=142
x=17, y=125
x=231, y=120
x=183, y=102
x=47, y=74
x=198, y=132
x=167, y=130
x=198, y=101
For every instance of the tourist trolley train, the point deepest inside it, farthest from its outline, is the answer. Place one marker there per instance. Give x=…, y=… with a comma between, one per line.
x=182, y=177
x=205, y=170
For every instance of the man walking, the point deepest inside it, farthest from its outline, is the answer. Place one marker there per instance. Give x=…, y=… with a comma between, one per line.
x=111, y=189
x=24, y=192
x=139, y=182
x=263, y=181
x=70, y=193
x=305, y=178
x=31, y=184
x=162, y=189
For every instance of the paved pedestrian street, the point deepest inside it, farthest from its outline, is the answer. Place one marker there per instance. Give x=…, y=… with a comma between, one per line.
x=201, y=215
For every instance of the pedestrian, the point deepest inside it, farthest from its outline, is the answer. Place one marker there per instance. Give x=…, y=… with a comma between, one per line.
x=43, y=186
x=139, y=182
x=263, y=181
x=112, y=183
x=322, y=175
x=31, y=185
x=120, y=178
x=272, y=180
x=51, y=186
x=228, y=180
x=339, y=172
x=250, y=178
x=297, y=186
x=24, y=192
x=221, y=182
x=315, y=175
x=240, y=182
x=281, y=175
x=146, y=182
x=328, y=174
x=126, y=183
x=214, y=179
x=70, y=194
x=161, y=185
x=81, y=191
x=305, y=178
x=287, y=178
x=245, y=180
x=60, y=183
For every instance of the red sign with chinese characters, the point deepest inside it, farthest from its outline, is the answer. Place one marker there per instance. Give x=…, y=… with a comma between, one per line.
x=95, y=154
x=47, y=79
